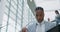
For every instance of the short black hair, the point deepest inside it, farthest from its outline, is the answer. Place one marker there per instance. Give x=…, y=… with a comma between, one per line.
x=57, y=11
x=39, y=8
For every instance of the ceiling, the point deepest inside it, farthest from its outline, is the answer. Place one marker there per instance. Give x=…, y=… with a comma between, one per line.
x=48, y=4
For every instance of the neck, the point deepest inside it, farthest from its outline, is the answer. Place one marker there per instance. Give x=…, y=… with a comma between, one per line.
x=39, y=22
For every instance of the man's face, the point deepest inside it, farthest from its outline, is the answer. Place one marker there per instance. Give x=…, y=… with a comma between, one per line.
x=40, y=16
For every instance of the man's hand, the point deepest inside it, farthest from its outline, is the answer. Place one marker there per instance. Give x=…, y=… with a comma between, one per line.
x=24, y=29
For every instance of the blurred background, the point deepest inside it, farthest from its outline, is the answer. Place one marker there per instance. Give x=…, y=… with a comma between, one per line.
x=15, y=14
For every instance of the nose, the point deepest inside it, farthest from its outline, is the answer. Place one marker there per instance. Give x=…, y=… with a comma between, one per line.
x=38, y=17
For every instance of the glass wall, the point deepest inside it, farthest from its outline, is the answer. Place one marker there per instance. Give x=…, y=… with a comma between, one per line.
x=16, y=15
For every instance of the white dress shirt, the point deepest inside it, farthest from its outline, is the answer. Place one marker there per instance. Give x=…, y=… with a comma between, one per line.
x=40, y=27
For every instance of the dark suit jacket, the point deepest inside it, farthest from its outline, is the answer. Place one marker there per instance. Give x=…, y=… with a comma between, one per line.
x=55, y=29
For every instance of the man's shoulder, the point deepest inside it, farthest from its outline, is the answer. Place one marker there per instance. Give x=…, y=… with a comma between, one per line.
x=52, y=24
x=49, y=25
x=49, y=22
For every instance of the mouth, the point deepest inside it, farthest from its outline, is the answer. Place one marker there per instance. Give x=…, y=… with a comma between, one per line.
x=40, y=20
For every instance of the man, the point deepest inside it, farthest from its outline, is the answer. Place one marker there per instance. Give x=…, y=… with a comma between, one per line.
x=40, y=25
x=49, y=19
x=57, y=18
